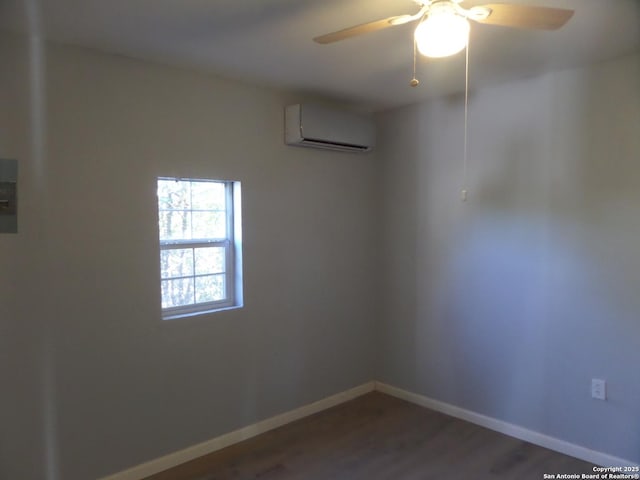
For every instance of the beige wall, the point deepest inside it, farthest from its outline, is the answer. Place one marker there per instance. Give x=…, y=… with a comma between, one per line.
x=121, y=385
x=508, y=304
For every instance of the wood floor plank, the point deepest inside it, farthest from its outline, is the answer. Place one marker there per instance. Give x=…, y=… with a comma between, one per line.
x=378, y=437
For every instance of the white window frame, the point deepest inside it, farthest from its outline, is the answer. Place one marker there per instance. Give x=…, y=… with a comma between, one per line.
x=233, y=253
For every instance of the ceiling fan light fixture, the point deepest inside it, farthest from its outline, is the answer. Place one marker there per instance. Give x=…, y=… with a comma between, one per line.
x=442, y=33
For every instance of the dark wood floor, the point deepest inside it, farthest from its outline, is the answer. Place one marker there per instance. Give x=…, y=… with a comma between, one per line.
x=378, y=437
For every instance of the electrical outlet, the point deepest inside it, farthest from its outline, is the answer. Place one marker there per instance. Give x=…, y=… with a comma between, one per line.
x=598, y=389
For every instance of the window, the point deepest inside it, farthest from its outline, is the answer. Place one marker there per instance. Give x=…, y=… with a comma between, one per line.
x=200, y=254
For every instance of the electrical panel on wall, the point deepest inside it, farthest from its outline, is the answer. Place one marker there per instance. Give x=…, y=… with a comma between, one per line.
x=8, y=196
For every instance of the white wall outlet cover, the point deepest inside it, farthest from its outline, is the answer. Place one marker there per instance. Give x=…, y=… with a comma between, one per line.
x=598, y=389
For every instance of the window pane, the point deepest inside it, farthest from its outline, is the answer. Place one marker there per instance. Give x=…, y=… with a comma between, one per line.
x=176, y=263
x=176, y=293
x=174, y=195
x=210, y=260
x=209, y=225
x=175, y=225
x=210, y=288
x=208, y=196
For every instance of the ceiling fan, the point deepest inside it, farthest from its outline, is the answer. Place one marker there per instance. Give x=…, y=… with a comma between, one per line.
x=443, y=27
x=443, y=30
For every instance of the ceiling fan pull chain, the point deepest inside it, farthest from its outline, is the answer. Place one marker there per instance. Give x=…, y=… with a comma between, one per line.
x=463, y=192
x=414, y=81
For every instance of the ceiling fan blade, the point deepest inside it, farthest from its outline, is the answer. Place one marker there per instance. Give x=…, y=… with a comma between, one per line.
x=363, y=28
x=524, y=16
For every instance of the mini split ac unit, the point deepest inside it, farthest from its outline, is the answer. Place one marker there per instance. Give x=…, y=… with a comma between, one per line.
x=308, y=125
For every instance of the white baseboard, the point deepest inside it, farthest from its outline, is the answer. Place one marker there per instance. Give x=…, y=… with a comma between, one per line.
x=516, y=431
x=191, y=453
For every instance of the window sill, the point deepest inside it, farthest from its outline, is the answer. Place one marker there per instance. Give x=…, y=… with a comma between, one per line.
x=176, y=316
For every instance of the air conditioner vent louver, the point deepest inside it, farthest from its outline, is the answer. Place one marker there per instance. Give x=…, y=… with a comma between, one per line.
x=312, y=142
x=314, y=126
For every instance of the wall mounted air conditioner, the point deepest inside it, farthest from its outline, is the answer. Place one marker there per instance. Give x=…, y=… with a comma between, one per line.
x=309, y=125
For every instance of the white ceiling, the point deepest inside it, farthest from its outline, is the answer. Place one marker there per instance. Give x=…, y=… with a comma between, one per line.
x=269, y=42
